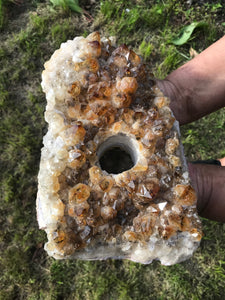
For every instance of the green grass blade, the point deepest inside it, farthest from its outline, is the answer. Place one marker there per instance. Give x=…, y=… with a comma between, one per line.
x=74, y=5
x=187, y=32
x=65, y=4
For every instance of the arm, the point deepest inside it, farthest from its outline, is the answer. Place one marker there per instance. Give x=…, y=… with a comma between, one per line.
x=198, y=87
x=209, y=184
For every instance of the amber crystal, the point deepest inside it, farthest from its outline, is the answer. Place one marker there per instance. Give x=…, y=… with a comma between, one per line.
x=113, y=180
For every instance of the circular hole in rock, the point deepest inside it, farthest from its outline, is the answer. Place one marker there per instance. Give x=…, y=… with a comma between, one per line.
x=117, y=154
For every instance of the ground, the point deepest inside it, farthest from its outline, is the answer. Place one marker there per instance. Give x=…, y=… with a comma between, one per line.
x=30, y=32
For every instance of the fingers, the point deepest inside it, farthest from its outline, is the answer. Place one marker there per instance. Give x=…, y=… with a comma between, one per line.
x=209, y=184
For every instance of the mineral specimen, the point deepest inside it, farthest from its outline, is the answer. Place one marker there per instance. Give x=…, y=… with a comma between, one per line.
x=113, y=181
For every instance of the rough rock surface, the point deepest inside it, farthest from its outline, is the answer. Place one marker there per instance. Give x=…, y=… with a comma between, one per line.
x=113, y=181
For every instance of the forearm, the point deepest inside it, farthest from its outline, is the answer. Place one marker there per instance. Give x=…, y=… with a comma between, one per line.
x=209, y=184
x=198, y=87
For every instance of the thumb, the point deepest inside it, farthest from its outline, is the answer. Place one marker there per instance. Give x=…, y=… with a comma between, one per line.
x=209, y=184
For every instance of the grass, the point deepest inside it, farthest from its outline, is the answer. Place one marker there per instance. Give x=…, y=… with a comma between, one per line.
x=68, y=4
x=149, y=27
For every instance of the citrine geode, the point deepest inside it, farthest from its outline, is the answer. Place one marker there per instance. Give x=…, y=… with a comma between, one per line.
x=113, y=180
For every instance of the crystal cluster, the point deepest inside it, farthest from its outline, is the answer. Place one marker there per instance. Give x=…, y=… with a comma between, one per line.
x=113, y=181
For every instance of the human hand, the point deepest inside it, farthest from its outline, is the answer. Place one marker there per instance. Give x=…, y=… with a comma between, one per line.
x=197, y=89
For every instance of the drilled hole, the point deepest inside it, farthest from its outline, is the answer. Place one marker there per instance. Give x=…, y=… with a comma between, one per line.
x=117, y=154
